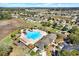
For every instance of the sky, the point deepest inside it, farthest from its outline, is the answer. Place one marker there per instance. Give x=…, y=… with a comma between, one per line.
x=39, y=4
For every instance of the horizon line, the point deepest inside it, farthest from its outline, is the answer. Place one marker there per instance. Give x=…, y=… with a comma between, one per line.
x=50, y=5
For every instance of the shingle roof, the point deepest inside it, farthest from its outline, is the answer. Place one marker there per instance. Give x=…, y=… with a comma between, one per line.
x=69, y=47
x=46, y=40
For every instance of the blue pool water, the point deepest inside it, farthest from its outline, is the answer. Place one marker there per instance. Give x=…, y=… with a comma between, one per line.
x=33, y=35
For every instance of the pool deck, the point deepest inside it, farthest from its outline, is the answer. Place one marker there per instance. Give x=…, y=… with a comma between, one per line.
x=30, y=41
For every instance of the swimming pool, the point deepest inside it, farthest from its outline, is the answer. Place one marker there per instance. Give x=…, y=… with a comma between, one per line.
x=33, y=35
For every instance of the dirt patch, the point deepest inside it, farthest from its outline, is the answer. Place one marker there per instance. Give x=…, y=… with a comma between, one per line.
x=7, y=26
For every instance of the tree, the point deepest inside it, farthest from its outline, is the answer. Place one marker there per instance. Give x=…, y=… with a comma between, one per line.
x=65, y=53
x=74, y=36
x=74, y=28
x=65, y=28
x=5, y=50
x=45, y=46
x=46, y=23
x=69, y=53
x=75, y=53
x=32, y=53
x=54, y=25
x=5, y=16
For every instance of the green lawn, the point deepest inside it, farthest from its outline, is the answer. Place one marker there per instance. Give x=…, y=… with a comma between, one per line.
x=7, y=40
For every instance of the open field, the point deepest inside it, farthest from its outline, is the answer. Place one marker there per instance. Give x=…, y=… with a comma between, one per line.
x=7, y=26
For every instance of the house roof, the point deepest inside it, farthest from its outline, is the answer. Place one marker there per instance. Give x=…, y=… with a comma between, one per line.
x=46, y=40
x=69, y=47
